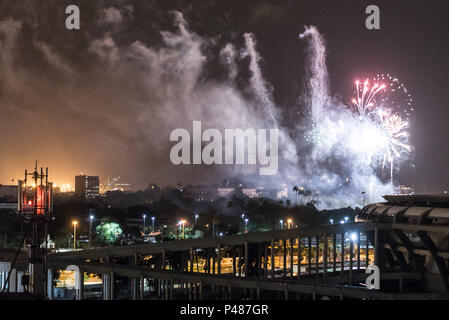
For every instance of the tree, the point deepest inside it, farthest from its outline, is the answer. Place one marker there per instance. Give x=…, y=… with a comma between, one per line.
x=109, y=231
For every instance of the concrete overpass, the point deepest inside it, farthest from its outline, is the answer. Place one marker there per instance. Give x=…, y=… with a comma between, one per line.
x=304, y=263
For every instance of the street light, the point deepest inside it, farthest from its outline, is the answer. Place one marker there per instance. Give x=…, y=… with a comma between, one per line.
x=346, y=219
x=246, y=224
x=91, y=217
x=289, y=221
x=152, y=221
x=282, y=224
x=74, y=234
x=332, y=221
x=196, y=217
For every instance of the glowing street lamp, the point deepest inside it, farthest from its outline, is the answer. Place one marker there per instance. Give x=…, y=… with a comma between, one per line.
x=74, y=233
x=91, y=217
x=196, y=217
x=289, y=221
x=281, y=222
x=246, y=224
x=152, y=221
x=332, y=221
x=144, y=217
x=346, y=219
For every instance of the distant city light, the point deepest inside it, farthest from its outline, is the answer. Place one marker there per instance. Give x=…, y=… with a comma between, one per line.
x=342, y=221
x=332, y=221
x=353, y=236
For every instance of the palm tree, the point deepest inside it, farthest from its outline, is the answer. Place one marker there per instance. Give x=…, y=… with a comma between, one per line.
x=295, y=189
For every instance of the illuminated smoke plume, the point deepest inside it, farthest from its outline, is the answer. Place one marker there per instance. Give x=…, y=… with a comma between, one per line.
x=348, y=147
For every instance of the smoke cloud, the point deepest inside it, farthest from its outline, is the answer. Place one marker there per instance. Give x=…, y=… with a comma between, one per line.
x=104, y=103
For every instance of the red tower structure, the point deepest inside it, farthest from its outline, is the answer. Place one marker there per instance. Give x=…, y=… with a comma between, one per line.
x=35, y=205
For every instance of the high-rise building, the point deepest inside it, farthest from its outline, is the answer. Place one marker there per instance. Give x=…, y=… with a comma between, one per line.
x=87, y=186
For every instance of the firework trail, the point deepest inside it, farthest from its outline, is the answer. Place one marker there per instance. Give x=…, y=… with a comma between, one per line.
x=365, y=97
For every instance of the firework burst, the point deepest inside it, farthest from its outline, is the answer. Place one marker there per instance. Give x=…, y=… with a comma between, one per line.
x=397, y=138
x=395, y=96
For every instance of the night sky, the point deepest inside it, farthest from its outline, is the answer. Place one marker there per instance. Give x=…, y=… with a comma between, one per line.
x=87, y=101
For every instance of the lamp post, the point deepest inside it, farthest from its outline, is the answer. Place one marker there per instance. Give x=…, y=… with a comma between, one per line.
x=289, y=221
x=74, y=234
x=152, y=221
x=91, y=217
x=246, y=224
x=144, y=217
x=196, y=217
x=281, y=222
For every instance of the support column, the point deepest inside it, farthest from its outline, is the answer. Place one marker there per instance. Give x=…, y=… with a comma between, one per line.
x=299, y=257
x=81, y=284
x=342, y=254
x=246, y=258
x=334, y=252
x=358, y=250
x=106, y=289
x=134, y=280
x=13, y=281
x=366, y=251
x=351, y=249
x=317, y=256
x=325, y=257
x=284, y=253
x=234, y=266
x=291, y=257
x=111, y=286
x=376, y=245
x=50, y=284
x=219, y=258
x=309, y=256
x=273, y=260
x=191, y=259
x=142, y=287
x=20, y=287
